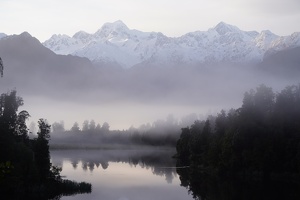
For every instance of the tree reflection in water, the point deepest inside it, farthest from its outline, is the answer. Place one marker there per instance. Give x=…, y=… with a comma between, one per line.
x=160, y=162
x=207, y=187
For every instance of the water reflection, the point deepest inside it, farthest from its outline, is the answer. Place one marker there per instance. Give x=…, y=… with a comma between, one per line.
x=123, y=174
x=160, y=162
x=207, y=187
x=151, y=174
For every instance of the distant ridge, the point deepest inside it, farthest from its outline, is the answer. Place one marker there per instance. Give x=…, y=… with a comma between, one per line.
x=27, y=63
x=116, y=44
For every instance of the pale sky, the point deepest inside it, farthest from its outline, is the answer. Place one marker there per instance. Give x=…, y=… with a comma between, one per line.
x=43, y=18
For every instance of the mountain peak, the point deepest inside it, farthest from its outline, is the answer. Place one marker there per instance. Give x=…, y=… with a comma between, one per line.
x=2, y=35
x=222, y=28
x=25, y=34
x=117, y=25
x=266, y=36
x=27, y=37
x=115, y=43
x=81, y=35
x=112, y=29
x=267, y=33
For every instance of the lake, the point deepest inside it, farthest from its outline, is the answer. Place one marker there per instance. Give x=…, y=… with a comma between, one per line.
x=132, y=174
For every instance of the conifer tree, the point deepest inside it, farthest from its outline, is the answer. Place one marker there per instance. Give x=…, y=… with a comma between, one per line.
x=42, y=154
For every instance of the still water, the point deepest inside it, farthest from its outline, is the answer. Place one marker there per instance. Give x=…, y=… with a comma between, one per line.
x=140, y=174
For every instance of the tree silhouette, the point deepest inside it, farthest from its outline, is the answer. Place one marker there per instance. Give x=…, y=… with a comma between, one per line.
x=25, y=168
x=1, y=67
x=22, y=130
x=105, y=126
x=58, y=126
x=75, y=127
x=92, y=125
x=85, y=125
x=41, y=149
x=259, y=140
x=10, y=103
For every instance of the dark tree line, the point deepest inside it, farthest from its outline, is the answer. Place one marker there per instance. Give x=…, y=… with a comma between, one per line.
x=261, y=139
x=256, y=146
x=25, y=168
x=160, y=133
x=104, y=138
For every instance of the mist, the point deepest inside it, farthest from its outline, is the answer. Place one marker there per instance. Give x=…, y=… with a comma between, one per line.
x=131, y=98
x=103, y=109
x=73, y=89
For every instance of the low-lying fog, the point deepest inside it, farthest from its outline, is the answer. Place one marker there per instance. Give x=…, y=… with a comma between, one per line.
x=135, y=97
x=73, y=89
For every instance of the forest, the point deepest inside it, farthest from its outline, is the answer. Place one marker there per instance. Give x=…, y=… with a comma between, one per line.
x=258, y=144
x=253, y=146
x=25, y=168
x=161, y=133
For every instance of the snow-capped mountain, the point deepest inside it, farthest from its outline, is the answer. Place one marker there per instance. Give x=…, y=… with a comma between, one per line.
x=115, y=43
x=2, y=35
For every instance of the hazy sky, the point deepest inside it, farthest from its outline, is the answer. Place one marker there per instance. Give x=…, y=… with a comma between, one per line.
x=42, y=18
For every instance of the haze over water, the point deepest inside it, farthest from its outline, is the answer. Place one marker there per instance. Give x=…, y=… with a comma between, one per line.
x=122, y=174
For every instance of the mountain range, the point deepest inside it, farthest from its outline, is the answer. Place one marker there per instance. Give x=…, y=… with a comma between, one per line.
x=79, y=88
x=116, y=44
x=33, y=68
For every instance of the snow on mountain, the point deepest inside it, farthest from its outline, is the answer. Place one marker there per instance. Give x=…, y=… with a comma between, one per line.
x=116, y=43
x=285, y=42
x=2, y=35
x=63, y=44
x=82, y=36
x=264, y=39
